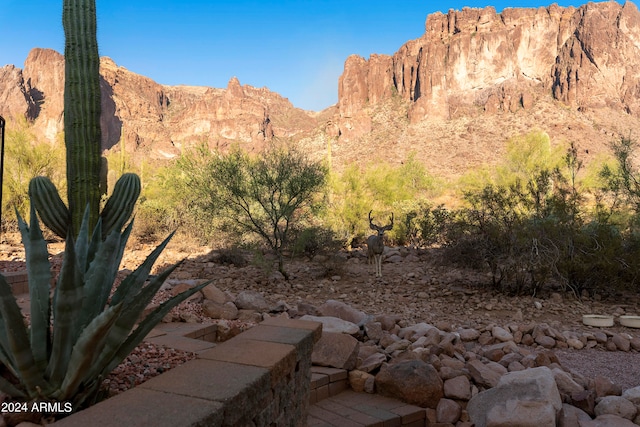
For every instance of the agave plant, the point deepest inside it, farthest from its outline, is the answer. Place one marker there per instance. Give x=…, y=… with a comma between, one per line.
x=81, y=333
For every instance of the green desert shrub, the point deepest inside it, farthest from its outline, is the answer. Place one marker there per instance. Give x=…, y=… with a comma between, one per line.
x=25, y=158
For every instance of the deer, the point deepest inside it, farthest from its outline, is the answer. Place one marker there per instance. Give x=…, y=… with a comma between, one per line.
x=375, y=243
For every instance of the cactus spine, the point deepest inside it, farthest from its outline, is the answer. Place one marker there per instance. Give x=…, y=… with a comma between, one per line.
x=82, y=110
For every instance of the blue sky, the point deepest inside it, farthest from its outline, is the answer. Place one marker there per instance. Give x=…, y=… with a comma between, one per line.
x=295, y=48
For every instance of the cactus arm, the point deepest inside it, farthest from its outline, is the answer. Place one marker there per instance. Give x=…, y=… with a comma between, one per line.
x=119, y=207
x=82, y=109
x=39, y=277
x=46, y=199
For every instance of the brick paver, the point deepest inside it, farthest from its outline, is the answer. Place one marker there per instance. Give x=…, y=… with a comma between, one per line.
x=349, y=408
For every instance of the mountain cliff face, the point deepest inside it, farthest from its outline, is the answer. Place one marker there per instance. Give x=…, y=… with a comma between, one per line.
x=154, y=120
x=476, y=61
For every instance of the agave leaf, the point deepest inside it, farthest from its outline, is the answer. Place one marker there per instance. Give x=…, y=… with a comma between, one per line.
x=124, y=237
x=39, y=276
x=6, y=358
x=10, y=389
x=82, y=247
x=68, y=296
x=127, y=319
x=18, y=341
x=148, y=324
x=89, y=345
x=131, y=285
x=100, y=275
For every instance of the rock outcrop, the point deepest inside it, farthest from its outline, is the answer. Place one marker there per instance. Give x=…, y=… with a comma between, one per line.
x=155, y=120
x=476, y=61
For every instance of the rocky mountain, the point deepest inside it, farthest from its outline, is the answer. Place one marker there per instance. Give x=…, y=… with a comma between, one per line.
x=153, y=120
x=476, y=77
x=451, y=97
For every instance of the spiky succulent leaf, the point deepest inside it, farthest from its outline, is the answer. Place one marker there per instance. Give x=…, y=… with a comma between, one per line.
x=6, y=357
x=132, y=309
x=66, y=313
x=123, y=242
x=18, y=342
x=10, y=389
x=148, y=324
x=132, y=284
x=100, y=276
x=87, y=349
x=39, y=278
x=84, y=247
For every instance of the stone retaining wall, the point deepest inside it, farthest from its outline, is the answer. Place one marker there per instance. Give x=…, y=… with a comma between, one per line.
x=261, y=377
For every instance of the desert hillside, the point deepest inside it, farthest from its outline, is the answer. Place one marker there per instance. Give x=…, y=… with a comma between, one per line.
x=452, y=97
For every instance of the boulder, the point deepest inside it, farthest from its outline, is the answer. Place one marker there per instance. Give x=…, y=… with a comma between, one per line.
x=215, y=310
x=413, y=381
x=458, y=388
x=566, y=384
x=632, y=395
x=570, y=416
x=524, y=398
x=334, y=324
x=251, y=300
x=213, y=293
x=336, y=351
x=482, y=374
x=584, y=400
x=501, y=334
x=358, y=380
x=343, y=311
x=616, y=405
x=448, y=411
x=607, y=420
x=605, y=387
x=373, y=330
x=372, y=362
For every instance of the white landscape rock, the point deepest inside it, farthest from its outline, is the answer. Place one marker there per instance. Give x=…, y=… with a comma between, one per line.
x=334, y=324
x=616, y=405
x=501, y=334
x=528, y=398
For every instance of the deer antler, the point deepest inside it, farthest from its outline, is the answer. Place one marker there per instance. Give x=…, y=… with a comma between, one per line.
x=390, y=226
x=377, y=227
x=371, y=224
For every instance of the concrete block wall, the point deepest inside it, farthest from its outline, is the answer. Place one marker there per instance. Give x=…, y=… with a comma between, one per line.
x=261, y=377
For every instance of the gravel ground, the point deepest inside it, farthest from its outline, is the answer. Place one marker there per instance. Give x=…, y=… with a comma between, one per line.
x=619, y=367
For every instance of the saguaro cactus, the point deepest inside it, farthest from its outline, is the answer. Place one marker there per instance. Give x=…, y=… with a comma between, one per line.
x=82, y=137
x=82, y=110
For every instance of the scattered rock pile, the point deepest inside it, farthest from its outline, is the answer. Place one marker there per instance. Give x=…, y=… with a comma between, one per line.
x=494, y=375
